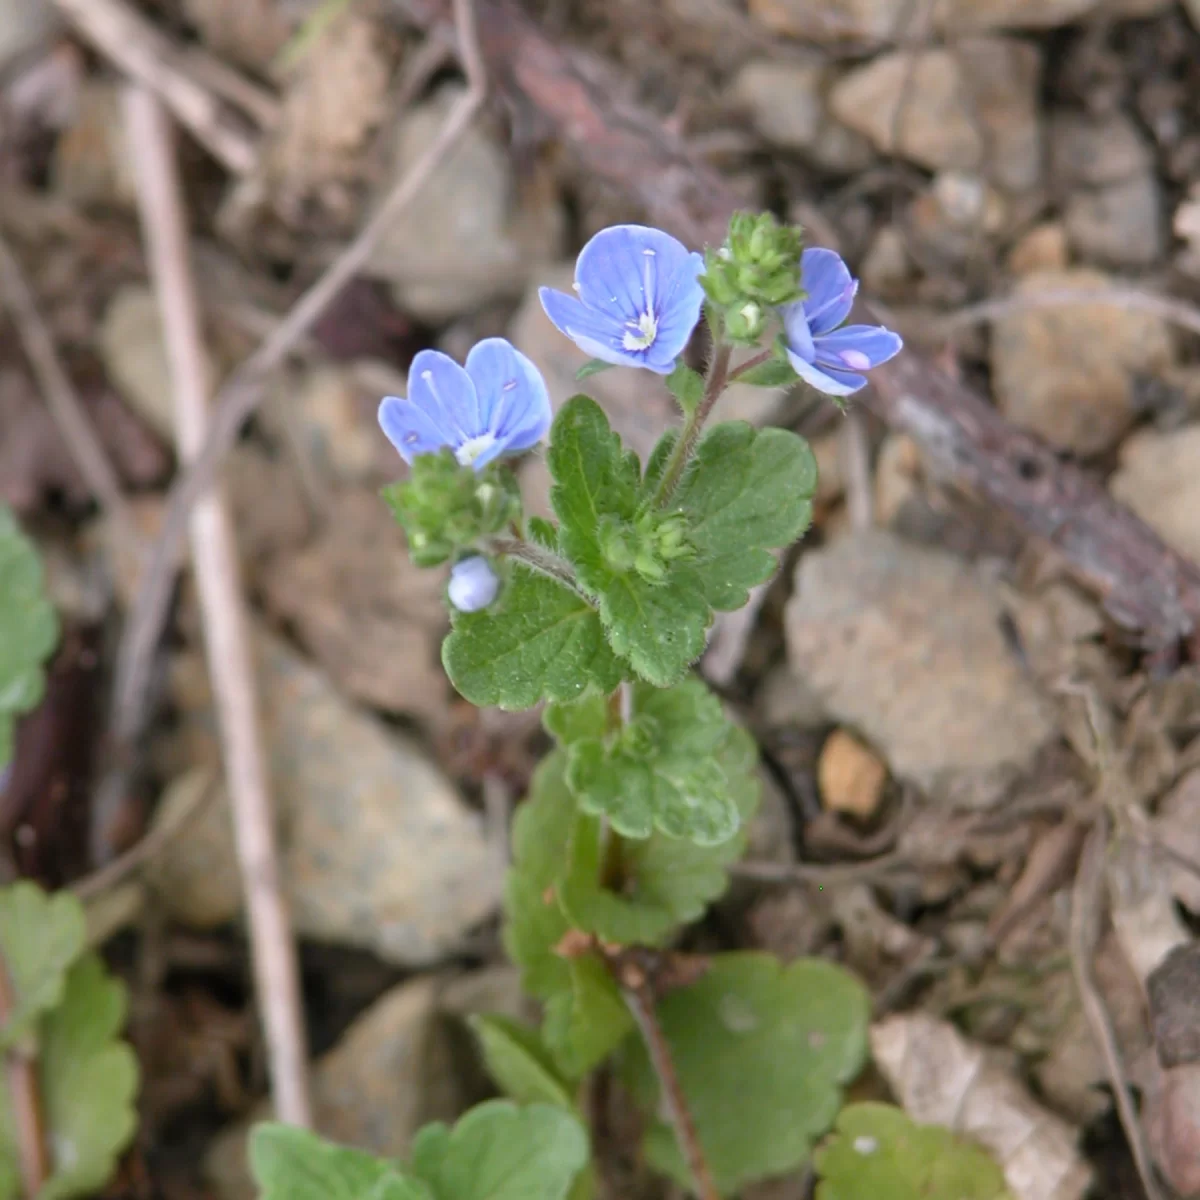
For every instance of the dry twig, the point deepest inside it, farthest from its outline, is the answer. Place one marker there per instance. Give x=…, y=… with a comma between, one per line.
x=59, y=394
x=1086, y=900
x=144, y=53
x=226, y=629
x=242, y=392
x=636, y=987
x=25, y=1095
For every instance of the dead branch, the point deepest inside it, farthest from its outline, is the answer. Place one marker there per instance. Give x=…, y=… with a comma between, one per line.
x=1086, y=900
x=60, y=396
x=242, y=392
x=147, y=55
x=226, y=627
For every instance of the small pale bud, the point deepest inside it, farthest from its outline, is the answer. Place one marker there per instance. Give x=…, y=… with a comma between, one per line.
x=473, y=584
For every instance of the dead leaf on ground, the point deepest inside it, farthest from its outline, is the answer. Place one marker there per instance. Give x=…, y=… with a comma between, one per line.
x=369, y=617
x=250, y=32
x=942, y=1079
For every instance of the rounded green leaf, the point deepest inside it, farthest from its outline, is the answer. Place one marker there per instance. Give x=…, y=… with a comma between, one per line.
x=878, y=1153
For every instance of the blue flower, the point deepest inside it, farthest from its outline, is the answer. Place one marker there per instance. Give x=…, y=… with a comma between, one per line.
x=473, y=584
x=829, y=358
x=497, y=405
x=638, y=298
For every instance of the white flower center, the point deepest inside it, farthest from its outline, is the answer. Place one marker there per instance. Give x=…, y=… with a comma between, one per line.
x=647, y=331
x=472, y=448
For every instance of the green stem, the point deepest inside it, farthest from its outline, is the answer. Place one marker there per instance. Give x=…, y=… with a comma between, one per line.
x=537, y=558
x=689, y=435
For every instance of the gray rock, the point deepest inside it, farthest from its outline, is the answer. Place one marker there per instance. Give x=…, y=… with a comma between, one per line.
x=1119, y=225
x=1067, y=372
x=131, y=344
x=785, y=100
x=840, y=149
x=1089, y=151
x=973, y=107
x=904, y=643
x=1159, y=478
x=377, y=848
x=883, y=20
x=23, y=24
x=389, y=1075
x=472, y=234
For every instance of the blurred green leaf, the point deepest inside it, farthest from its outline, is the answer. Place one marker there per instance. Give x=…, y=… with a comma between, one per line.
x=877, y=1152
x=519, y=1062
x=28, y=629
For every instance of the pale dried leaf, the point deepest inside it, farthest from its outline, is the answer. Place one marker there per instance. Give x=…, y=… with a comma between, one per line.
x=251, y=32
x=942, y=1079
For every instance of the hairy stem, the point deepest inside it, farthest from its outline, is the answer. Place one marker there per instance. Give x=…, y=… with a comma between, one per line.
x=681, y=452
x=756, y=361
x=639, y=997
x=26, y=1097
x=537, y=558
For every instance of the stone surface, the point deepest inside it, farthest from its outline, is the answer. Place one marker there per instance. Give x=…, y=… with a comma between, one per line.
x=131, y=345
x=1043, y=248
x=23, y=24
x=387, y=1077
x=786, y=699
x=785, y=100
x=1067, y=372
x=850, y=776
x=974, y=107
x=372, y=620
x=1094, y=150
x=330, y=419
x=92, y=164
x=904, y=643
x=1159, y=478
x=884, y=20
x=473, y=233
x=1120, y=224
x=378, y=850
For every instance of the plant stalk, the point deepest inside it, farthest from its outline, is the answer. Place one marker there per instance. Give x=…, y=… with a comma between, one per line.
x=689, y=435
x=545, y=562
x=25, y=1092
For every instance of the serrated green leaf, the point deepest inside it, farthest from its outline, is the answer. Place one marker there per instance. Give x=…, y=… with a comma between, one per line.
x=40, y=937
x=687, y=386
x=775, y=372
x=88, y=1083
x=498, y=1151
x=534, y=923
x=28, y=629
x=543, y=532
x=660, y=771
x=658, y=624
x=586, y=1022
x=746, y=492
x=877, y=1152
x=781, y=1039
x=519, y=1062
x=538, y=641
x=662, y=882
x=293, y=1164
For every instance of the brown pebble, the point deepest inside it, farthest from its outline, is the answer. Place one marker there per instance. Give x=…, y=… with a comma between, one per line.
x=850, y=775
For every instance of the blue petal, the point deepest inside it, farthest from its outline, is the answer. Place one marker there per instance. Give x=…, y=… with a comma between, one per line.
x=858, y=347
x=829, y=286
x=411, y=429
x=831, y=382
x=473, y=584
x=678, y=305
x=595, y=333
x=620, y=269
x=795, y=327
x=440, y=386
x=513, y=401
